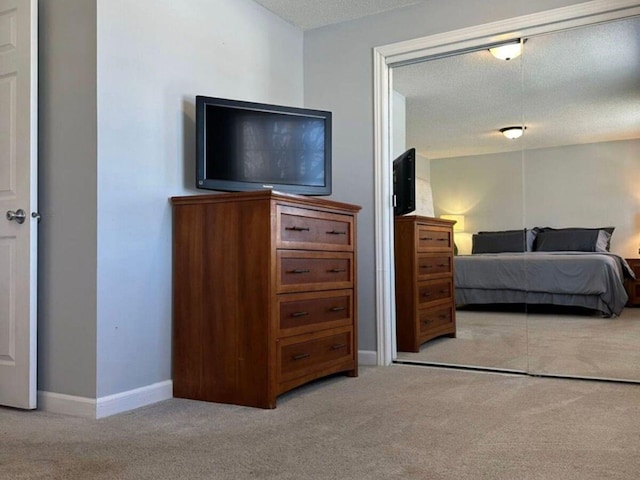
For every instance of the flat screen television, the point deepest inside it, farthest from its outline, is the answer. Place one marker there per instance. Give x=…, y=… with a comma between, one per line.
x=253, y=146
x=404, y=183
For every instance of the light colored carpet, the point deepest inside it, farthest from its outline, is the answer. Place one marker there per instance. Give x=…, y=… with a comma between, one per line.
x=398, y=422
x=483, y=339
x=541, y=343
x=588, y=346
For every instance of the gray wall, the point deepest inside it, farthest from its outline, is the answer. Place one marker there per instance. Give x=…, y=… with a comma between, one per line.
x=119, y=102
x=67, y=197
x=487, y=189
x=150, y=68
x=338, y=76
x=591, y=185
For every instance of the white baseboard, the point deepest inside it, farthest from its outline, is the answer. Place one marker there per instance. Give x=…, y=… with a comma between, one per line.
x=67, y=404
x=104, y=406
x=367, y=357
x=129, y=400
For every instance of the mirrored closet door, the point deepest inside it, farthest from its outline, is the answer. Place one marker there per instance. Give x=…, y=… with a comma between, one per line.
x=452, y=111
x=581, y=92
x=565, y=193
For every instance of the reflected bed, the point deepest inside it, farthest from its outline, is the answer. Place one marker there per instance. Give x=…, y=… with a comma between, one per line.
x=591, y=280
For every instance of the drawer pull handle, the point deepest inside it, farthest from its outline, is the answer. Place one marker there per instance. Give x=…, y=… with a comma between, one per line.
x=443, y=264
x=442, y=316
x=299, y=314
x=444, y=291
x=338, y=346
x=336, y=232
x=427, y=294
x=297, y=229
x=300, y=356
x=426, y=238
x=427, y=266
x=336, y=309
x=427, y=321
x=298, y=271
x=337, y=270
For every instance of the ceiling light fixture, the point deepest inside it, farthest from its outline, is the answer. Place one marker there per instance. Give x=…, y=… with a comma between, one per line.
x=512, y=132
x=507, y=51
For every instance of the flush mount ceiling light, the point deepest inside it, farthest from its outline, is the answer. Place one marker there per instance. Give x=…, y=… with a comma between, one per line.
x=507, y=51
x=512, y=132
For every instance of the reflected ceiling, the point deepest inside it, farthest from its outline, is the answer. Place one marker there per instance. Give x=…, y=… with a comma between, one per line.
x=456, y=105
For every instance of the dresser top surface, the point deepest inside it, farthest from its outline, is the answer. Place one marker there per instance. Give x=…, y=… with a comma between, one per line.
x=440, y=222
x=264, y=195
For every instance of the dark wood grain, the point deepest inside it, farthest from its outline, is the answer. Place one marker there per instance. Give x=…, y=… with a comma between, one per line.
x=423, y=280
x=230, y=320
x=633, y=286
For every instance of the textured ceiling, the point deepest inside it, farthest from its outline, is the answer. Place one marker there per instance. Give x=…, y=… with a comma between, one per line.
x=571, y=87
x=309, y=14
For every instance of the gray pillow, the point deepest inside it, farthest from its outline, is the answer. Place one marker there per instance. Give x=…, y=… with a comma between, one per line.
x=530, y=236
x=603, y=242
x=498, y=242
x=583, y=234
x=567, y=240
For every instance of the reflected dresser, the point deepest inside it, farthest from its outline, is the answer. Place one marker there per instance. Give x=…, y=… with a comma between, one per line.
x=425, y=306
x=264, y=294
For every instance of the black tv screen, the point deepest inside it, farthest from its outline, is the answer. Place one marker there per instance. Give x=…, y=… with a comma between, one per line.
x=253, y=146
x=404, y=183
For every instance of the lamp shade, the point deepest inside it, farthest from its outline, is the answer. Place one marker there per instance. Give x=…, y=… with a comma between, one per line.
x=459, y=219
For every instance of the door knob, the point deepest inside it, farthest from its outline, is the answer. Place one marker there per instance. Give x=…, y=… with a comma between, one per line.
x=18, y=215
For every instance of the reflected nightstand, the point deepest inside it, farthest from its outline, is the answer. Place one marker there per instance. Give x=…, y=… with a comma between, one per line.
x=633, y=286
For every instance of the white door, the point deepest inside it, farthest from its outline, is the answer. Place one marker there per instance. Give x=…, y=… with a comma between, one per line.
x=18, y=199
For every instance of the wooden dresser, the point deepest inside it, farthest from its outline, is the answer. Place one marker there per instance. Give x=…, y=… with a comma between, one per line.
x=425, y=306
x=633, y=286
x=264, y=294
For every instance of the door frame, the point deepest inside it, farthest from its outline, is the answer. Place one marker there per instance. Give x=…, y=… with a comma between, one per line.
x=449, y=43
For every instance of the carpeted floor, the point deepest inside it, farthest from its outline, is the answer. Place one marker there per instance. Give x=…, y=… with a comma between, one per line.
x=549, y=342
x=398, y=422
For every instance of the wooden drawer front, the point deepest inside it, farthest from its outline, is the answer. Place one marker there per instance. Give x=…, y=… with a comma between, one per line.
x=434, y=291
x=431, y=265
x=435, y=319
x=635, y=293
x=301, y=358
x=433, y=239
x=301, y=271
x=299, y=228
x=303, y=312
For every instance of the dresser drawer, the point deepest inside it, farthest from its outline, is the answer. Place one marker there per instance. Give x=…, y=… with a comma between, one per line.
x=435, y=291
x=303, y=271
x=430, y=265
x=433, y=239
x=303, y=355
x=300, y=228
x=305, y=312
x=433, y=319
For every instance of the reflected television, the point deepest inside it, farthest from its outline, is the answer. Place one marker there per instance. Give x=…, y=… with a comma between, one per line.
x=253, y=146
x=404, y=183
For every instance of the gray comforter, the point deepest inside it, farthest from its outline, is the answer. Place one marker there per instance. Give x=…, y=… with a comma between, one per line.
x=591, y=280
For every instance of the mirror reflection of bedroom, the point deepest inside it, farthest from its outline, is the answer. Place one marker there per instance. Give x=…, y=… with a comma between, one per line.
x=547, y=224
